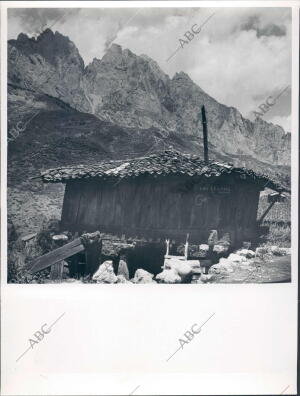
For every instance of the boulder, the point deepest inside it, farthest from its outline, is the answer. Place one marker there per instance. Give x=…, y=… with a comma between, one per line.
x=261, y=251
x=168, y=276
x=277, y=251
x=246, y=253
x=222, y=267
x=122, y=279
x=105, y=273
x=194, y=264
x=142, y=276
x=123, y=269
x=205, y=278
x=236, y=258
x=196, y=271
x=264, y=253
x=60, y=237
x=184, y=268
x=204, y=247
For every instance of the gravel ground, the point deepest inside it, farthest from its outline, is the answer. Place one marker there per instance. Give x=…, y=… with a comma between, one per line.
x=275, y=270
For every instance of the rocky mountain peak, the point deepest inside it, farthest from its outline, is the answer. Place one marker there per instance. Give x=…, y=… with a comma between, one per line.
x=51, y=46
x=115, y=48
x=132, y=91
x=112, y=54
x=182, y=76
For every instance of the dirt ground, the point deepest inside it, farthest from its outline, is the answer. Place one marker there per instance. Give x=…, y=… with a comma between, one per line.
x=275, y=270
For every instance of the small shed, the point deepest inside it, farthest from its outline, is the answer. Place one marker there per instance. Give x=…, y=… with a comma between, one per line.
x=164, y=195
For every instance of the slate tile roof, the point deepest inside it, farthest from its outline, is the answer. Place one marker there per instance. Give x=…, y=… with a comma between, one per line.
x=166, y=163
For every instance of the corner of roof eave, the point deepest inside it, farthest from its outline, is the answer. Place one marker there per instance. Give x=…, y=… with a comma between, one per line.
x=279, y=189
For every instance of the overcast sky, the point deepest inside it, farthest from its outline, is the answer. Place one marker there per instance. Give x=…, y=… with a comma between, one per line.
x=240, y=57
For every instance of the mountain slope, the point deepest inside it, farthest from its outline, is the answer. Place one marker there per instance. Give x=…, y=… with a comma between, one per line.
x=61, y=135
x=133, y=93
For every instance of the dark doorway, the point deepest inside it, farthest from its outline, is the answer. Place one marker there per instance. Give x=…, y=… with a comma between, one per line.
x=149, y=257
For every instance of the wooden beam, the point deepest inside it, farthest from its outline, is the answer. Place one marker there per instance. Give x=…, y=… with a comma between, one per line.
x=56, y=255
x=266, y=212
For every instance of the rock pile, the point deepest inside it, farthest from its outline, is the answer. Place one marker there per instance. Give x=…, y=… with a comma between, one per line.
x=244, y=257
x=177, y=269
x=226, y=265
x=272, y=250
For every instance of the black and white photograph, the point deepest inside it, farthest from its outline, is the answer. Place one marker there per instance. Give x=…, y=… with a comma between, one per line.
x=149, y=197
x=143, y=148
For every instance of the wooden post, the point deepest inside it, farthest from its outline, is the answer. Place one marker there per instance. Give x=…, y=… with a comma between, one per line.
x=93, y=248
x=56, y=272
x=93, y=257
x=205, y=143
x=205, y=264
x=168, y=247
x=186, y=247
x=57, y=269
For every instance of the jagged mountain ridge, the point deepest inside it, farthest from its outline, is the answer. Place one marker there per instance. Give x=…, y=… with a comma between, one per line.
x=132, y=92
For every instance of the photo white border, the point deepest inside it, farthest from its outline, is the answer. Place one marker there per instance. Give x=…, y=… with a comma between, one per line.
x=254, y=316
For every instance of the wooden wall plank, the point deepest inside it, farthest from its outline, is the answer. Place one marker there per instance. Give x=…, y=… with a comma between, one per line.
x=88, y=204
x=71, y=202
x=148, y=206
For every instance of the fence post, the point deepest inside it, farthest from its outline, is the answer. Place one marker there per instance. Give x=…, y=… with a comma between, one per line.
x=57, y=269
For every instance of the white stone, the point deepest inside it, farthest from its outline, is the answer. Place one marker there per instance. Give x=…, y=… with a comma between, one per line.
x=246, y=253
x=60, y=237
x=260, y=251
x=122, y=279
x=123, y=269
x=224, y=265
x=203, y=250
x=142, y=276
x=236, y=258
x=205, y=278
x=220, y=268
x=105, y=273
x=220, y=249
x=182, y=267
x=168, y=276
x=277, y=251
x=194, y=263
x=204, y=247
